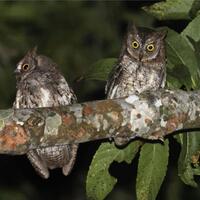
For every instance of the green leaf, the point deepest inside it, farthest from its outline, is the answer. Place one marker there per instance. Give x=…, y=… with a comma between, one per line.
x=173, y=83
x=182, y=60
x=10, y=193
x=179, y=138
x=21, y=12
x=195, y=9
x=191, y=34
x=174, y=79
x=101, y=69
x=190, y=150
x=171, y=9
x=99, y=182
x=193, y=29
x=152, y=169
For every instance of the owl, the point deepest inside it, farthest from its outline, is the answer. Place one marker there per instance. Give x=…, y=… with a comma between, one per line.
x=41, y=84
x=141, y=66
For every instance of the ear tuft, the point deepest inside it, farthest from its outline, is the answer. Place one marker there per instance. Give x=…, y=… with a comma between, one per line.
x=132, y=27
x=32, y=52
x=162, y=34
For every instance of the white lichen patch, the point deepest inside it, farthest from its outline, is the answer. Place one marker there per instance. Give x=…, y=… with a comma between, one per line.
x=19, y=123
x=140, y=116
x=158, y=103
x=105, y=124
x=113, y=115
x=111, y=130
x=126, y=112
x=131, y=99
x=77, y=110
x=180, y=126
x=52, y=124
x=162, y=122
x=97, y=122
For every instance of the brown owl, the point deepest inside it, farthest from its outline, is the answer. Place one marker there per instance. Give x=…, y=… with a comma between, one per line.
x=40, y=84
x=141, y=66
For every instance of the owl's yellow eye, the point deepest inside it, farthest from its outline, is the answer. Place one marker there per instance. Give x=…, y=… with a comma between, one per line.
x=25, y=67
x=135, y=44
x=150, y=47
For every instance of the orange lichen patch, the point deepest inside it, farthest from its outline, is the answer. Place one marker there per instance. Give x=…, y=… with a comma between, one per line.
x=106, y=106
x=87, y=110
x=80, y=133
x=12, y=136
x=68, y=119
x=76, y=133
x=174, y=122
x=129, y=126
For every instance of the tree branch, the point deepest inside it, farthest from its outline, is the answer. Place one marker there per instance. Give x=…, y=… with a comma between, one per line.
x=148, y=115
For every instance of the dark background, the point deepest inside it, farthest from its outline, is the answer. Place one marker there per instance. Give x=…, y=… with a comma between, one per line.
x=74, y=34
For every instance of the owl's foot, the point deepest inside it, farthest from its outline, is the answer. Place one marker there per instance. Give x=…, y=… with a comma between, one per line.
x=161, y=138
x=121, y=141
x=67, y=168
x=39, y=165
x=158, y=135
x=121, y=138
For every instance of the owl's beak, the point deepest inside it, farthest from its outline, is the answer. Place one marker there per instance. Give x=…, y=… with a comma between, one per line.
x=17, y=74
x=17, y=71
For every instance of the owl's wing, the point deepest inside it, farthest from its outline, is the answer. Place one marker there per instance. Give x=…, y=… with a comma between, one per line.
x=62, y=89
x=73, y=96
x=113, y=79
x=57, y=91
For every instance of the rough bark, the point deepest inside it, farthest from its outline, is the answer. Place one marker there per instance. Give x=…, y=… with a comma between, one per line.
x=148, y=115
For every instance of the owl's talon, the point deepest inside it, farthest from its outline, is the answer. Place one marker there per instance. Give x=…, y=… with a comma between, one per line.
x=38, y=164
x=66, y=169
x=121, y=141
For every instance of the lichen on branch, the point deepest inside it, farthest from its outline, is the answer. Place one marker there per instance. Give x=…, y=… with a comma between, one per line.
x=150, y=115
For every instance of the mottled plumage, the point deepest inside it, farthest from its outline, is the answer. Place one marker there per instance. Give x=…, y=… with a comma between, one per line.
x=141, y=66
x=40, y=84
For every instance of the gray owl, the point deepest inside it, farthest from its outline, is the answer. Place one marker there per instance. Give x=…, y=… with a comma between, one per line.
x=141, y=66
x=40, y=84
